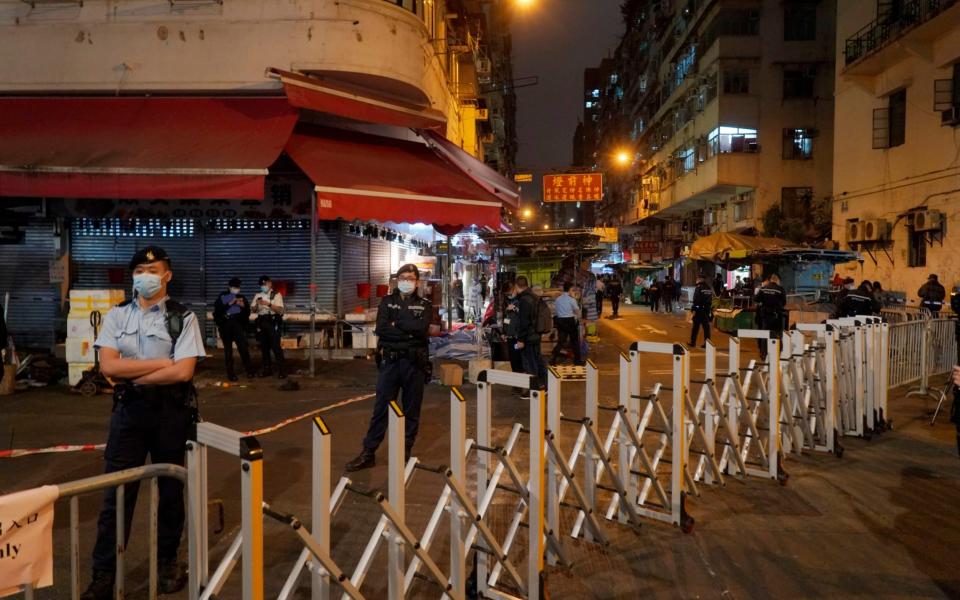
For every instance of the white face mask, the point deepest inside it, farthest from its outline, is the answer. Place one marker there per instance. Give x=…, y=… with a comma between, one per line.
x=406, y=287
x=234, y=291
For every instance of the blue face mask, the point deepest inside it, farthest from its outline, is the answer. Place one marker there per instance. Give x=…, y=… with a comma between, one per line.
x=146, y=285
x=265, y=289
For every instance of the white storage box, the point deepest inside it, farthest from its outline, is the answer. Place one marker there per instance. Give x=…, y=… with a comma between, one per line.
x=78, y=325
x=80, y=350
x=89, y=300
x=75, y=372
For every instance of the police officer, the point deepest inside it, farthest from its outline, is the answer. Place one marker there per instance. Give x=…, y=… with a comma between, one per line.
x=859, y=301
x=268, y=306
x=150, y=347
x=702, y=310
x=403, y=325
x=932, y=295
x=771, y=301
x=231, y=313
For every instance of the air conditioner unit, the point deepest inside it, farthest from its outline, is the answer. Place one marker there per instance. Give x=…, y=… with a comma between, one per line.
x=927, y=220
x=875, y=230
x=483, y=114
x=855, y=231
x=951, y=116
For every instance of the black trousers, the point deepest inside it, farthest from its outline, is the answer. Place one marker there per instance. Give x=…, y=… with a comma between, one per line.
x=774, y=324
x=268, y=334
x=599, y=302
x=232, y=332
x=568, y=331
x=699, y=321
x=395, y=376
x=139, y=428
x=615, y=304
x=516, y=356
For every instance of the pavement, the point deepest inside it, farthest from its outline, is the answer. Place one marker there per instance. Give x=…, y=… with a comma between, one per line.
x=879, y=522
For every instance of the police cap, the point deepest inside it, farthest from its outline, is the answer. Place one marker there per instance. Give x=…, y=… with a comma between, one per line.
x=234, y=282
x=147, y=255
x=263, y=279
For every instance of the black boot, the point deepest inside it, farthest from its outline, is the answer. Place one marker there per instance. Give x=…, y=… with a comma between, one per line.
x=101, y=587
x=364, y=460
x=171, y=576
x=231, y=377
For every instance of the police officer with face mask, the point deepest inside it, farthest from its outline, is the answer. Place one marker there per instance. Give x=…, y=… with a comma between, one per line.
x=231, y=313
x=268, y=306
x=149, y=346
x=403, y=325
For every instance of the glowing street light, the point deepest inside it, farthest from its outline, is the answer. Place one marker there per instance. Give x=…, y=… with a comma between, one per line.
x=524, y=3
x=623, y=158
x=546, y=227
x=527, y=213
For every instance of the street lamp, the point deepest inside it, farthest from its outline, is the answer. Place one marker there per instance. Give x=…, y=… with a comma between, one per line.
x=527, y=213
x=623, y=158
x=524, y=3
x=546, y=227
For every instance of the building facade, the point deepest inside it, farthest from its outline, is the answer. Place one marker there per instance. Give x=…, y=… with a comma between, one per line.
x=215, y=127
x=897, y=177
x=726, y=110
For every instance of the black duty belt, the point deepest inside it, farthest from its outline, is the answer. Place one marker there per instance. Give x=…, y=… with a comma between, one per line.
x=412, y=354
x=130, y=392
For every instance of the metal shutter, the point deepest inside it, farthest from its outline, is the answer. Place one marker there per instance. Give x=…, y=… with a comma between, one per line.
x=34, y=301
x=354, y=269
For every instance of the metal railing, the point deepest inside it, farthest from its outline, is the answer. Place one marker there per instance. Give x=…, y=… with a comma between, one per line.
x=919, y=350
x=884, y=30
x=905, y=314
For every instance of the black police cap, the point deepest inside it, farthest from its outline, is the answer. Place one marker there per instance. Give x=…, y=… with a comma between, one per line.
x=263, y=279
x=149, y=254
x=235, y=282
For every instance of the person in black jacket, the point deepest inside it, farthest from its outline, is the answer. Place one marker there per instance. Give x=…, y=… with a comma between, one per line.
x=771, y=300
x=614, y=292
x=702, y=310
x=528, y=340
x=231, y=313
x=403, y=327
x=858, y=302
x=667, y=292
x=932, y=295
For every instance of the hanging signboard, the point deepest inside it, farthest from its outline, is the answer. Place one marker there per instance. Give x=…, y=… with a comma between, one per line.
x=573, y=187
x=646, y=247
x=608, y=235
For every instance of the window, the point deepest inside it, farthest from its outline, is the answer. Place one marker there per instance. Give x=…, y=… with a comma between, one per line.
x=723, y=140
x=799, y=82
x=918, y=249
x=743, y=207
x=736, y=81
x=798, y=143
x=795, y=202
x=800, y=23
x=898, y=118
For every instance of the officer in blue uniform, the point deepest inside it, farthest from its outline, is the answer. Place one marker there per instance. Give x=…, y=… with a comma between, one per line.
x=149, y=346
x=403, y=325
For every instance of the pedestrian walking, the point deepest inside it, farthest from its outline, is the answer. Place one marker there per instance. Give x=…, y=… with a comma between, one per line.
x=614, y=292
x=567, y=315
x=771, y=301
x=718, y=286
x=268, y=304
x=932, y=295
x=667, y=293
x=702, y=310
x=529, y=338
x=654, y=292
x=149, y=346
x=403, y=327
x=601, y=291
x=231, y=314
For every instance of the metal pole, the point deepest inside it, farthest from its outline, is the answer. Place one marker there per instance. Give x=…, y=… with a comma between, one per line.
x=484, y=431
x=535, y=505
x=447, y=281
x=458, y=437
x=553, y=471
x=320, y=578
x=313, y=278
x=251, y=486
x=395, y=494
x=591, y=458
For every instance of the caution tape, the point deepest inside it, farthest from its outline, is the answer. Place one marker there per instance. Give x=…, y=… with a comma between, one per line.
x=18, y=452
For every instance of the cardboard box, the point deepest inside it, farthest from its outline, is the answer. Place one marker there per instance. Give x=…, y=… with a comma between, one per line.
x=75, y=372
x=476, y=366
x=451, y=374
x=288, y=343
x=88, y=300
x=80, y=350
x=503, y=365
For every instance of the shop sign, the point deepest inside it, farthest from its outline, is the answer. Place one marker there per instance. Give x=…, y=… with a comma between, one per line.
x=573, y=187
x=646, y=247
x=608, y=235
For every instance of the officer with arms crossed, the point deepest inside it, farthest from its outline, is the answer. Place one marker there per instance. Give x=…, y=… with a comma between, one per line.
x=771, y=300
x=268, y=306
x=231, y=313
x=403, y=324
x=150, y=347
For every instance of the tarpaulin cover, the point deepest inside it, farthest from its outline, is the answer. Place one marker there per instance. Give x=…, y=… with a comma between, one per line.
x=719, y=247
x=140, y=147
x=374, y=178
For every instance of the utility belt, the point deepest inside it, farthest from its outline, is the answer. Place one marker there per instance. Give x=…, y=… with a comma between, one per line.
x=179, y=394
x=419, y=357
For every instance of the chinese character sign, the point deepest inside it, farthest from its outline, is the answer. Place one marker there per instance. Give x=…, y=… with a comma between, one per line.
x=26, y=539
x=573, y=187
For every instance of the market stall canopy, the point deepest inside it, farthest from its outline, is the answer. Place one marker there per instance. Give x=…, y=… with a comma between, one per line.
x=375, y=178
x=489, y=179
x=140, y=147
x=721, y=247
x=336, y=98
x=547, y=243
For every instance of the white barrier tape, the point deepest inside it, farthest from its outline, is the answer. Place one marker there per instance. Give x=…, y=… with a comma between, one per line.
x=18, y=452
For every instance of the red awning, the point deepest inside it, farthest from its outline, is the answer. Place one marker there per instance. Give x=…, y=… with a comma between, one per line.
x=373, y=178
x=140, y=147
x=489, y=179
x=327, y=97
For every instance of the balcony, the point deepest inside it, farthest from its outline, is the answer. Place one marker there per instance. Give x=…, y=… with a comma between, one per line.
x=914, y=22
x=714, y=181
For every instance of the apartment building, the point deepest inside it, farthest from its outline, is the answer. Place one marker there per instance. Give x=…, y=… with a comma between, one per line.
x=897, y=175
x=726, y=107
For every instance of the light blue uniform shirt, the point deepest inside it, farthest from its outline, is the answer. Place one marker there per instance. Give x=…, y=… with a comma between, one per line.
x=142, y=334
x=565, y=307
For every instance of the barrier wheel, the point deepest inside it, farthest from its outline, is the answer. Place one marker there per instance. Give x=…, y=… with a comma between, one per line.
x=782, y=477
x=88, y=388
x=686, y=524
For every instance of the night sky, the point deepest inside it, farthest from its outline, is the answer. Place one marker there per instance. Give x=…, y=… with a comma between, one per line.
x=556, y=40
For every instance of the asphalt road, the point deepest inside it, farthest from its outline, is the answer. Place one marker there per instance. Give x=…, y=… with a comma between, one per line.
x=880, y=522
